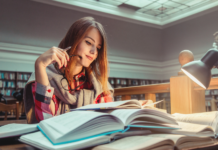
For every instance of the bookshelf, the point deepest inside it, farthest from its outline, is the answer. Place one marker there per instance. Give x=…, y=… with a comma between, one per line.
x=11, y=81
x=125, y=82
x=209, y=94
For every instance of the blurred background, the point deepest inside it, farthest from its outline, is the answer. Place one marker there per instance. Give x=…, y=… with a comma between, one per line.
x=145, y=37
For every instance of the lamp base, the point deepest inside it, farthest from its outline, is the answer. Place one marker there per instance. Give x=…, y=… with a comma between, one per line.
x=184, y=98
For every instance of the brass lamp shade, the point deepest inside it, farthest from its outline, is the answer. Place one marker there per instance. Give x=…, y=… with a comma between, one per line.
x=200, y=71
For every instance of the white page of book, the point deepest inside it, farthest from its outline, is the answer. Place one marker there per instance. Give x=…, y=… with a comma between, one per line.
x=125, y=114
x=59, y=126
x=205, y=118
x=149, y=123
x=193, y=127
x=130, y=132
x=38, y=140
x=69, y=121
x=190, y=129
x=136, y=142
x=111, y=104
x=184, y=141
x=16, y=129
x=168, y=136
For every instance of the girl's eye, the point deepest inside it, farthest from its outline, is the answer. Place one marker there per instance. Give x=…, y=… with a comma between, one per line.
x=88, y=42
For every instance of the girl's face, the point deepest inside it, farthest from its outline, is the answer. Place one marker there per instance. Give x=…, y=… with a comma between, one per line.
x=89, y=46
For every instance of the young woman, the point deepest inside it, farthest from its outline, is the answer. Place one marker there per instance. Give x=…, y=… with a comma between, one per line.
x=73, y=74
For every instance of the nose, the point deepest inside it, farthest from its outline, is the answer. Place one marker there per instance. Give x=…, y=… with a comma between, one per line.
x=93, y=50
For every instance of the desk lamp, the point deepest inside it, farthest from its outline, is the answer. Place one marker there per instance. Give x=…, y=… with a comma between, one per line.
x=200, y=71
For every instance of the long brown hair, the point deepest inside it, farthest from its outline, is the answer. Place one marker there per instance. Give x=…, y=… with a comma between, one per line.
x=73, y=37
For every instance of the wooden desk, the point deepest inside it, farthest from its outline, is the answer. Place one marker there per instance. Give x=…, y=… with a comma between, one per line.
x=12, y=121
x=13, y=143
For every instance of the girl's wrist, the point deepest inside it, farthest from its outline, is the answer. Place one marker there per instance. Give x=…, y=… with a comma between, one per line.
x=39, y=64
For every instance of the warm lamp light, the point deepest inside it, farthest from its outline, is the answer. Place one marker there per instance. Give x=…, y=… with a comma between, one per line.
x=200, y=71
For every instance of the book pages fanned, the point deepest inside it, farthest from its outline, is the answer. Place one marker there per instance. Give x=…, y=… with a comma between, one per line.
x=140, y=142
x=38, y=140
x=205, y=118
x=157, y=142
x=80, y=125
x=127, y=104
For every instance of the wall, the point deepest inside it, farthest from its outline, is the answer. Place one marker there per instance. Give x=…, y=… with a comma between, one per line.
x=28, y=28
x=195, y=35
x=30, y=23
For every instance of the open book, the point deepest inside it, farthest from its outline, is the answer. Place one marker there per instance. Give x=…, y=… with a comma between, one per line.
x=197, y=124
x=38, y=140
x=209, y=119
x=157, y=142
x=16, y=129
x=127, y=104
x=80, y=125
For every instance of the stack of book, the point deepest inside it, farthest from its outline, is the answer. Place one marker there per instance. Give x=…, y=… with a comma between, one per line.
x=118, y=125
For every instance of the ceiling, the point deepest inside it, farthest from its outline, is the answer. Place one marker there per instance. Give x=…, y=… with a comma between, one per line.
x=157, y=13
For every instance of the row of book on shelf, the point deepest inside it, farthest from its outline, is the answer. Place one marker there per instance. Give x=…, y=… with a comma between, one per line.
x=11, y=76
x=21, y=84
x=11, y=84
x=211, y=92
x=6, y=75
x=7, y=84
x=23, y=76
x=8, y=92
x=118, y=125
x=132, y=82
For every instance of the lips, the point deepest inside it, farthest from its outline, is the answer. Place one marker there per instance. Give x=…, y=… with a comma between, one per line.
x=90, y=58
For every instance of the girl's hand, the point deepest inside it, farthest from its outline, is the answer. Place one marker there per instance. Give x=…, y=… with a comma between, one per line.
x=53, y=55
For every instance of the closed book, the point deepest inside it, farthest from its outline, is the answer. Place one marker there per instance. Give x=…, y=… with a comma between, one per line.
x=39, y=140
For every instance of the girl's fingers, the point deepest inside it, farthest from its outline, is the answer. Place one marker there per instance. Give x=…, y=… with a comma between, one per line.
x=62, y=58
x=57, y=60
x=62, y=55
x=66, y=55
x=65, y=52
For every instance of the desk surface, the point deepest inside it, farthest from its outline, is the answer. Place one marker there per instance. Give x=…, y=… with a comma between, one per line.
x=12, y=121
x=13, y=143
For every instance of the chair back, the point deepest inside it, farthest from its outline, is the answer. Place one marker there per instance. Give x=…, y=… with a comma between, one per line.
x=9, y=107
x=29, y=104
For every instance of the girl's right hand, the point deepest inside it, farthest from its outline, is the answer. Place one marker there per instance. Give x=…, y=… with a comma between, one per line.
x=53, y=55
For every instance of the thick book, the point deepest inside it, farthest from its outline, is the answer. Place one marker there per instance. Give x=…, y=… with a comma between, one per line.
x=196, y=124
x=189, y=129
x=15, y=129
x=38, y=140
x=209, y=119
x=127, y=104
x=157, y=142
x=80, y=125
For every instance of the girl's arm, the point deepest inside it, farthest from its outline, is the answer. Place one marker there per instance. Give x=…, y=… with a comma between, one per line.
x=53, y=55
x=44, y=101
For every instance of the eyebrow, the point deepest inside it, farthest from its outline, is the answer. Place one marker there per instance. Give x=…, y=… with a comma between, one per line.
x=92, y=39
